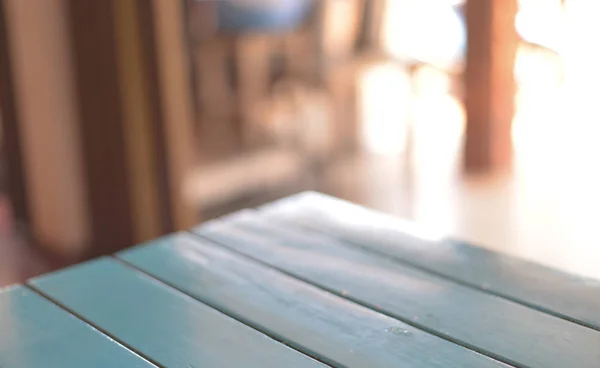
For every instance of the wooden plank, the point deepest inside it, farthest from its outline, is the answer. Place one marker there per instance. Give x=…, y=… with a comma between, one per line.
x=36, y=333
x=139, y=137
x=101, y=119
x=96, y=175
x=311, y=320
x=147, y=29
x=504, y=330
x=160, y=322
x=571, y=297
x=39, y=53
x=176, y=106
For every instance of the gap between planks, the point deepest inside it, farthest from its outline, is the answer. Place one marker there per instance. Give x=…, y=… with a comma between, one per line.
x=240, y=319
x=93, y=325
x=409, y=322
x=300, y=226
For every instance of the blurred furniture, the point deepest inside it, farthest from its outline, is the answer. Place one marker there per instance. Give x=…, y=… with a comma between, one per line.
x=234, y=46
x=307, y=281
x=274, y=83
x=97, y=109
x=239, y=62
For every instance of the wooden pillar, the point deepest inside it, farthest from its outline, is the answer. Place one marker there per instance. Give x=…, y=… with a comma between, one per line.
x=102, y=107
x=490, y=85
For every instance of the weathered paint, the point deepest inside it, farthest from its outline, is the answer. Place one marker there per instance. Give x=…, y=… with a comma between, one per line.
x=161, y=323
x=328, y=327
x=571, y=297
x=500, y=328
x=36, y=333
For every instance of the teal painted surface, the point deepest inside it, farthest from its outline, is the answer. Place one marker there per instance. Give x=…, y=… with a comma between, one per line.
x=35, y=333
x=161, y=323
x=331, y=328
x=572, y=297
x=503, y=329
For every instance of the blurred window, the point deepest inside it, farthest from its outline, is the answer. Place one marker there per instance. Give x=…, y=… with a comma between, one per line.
x=426, y=31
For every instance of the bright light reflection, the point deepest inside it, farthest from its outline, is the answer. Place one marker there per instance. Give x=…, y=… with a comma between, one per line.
x=550, y=204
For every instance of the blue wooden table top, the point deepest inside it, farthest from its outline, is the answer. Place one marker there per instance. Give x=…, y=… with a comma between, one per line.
x=307, y=281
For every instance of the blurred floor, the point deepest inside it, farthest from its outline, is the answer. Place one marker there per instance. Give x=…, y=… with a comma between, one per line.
x=510, y=214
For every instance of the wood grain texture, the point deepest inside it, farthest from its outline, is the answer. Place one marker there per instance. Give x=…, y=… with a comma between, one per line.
x=502, y=329
x=36, y=333
x=311, y=320
x=161, y=323
x=568, y=296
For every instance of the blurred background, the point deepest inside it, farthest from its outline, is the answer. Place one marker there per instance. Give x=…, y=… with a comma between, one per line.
x=122, y=120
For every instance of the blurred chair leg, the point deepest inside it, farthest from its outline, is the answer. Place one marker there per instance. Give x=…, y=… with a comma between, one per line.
x=252, y=64
x=490, y=85
x=342, y=88
x=215, y=95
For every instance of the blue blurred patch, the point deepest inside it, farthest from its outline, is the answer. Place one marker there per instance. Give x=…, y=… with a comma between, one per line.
x=265, y=15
